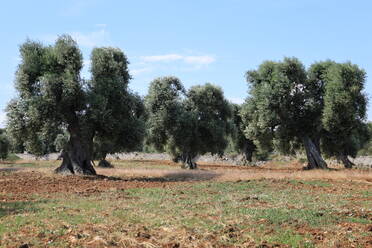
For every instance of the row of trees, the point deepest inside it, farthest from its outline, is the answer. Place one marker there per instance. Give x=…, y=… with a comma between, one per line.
x=322, y=108
x=288, y=108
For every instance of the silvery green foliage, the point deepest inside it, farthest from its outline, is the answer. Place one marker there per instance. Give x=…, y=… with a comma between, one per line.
x=325, y=106
x=61, y=141
x=344, y=112
x=279, y=110
x=187, y=124
x=118, y=114
x=367, y=146
x=53, y=98
x=4, y=145
x=278, y=103
x=240, y=142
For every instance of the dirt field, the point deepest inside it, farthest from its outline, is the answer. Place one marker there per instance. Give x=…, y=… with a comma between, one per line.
x=157, y=204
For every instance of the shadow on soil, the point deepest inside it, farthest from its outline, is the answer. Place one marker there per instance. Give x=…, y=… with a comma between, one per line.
x=10, y=169
x=179, y=176
x=17, y=207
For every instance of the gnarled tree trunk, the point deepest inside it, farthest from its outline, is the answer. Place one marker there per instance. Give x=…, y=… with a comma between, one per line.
x=314, y=158
x=104, y=163
x=77, y=156
x=345, y=160
x=187, y=160
x=248, y=153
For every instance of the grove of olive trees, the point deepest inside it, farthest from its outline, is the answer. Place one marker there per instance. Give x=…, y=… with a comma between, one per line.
x=320, y=110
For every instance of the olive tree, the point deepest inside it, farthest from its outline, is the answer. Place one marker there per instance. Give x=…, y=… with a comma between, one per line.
x=240, y=142
x=16, y=127
x=366, y=149
x=4, y=145
x=280, y=108
x=187, y=124
x=117, y=113
x=52, y=96
x=344, y=112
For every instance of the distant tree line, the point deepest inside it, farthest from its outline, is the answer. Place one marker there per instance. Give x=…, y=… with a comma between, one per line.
x=320, y=110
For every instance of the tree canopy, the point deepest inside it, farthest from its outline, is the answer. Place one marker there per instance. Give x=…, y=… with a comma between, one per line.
x=240, y=142
x=187, y=124
x=344, y=112
x=321, y=110
x=280, y=107
x=4, y=145
x=322, y=107
x=53, y=98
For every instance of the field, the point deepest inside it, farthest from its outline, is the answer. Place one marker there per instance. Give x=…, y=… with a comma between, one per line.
x=156, y=204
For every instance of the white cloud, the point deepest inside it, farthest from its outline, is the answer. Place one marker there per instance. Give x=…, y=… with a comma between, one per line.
x=139, y=71
x=162, y=58
x=97, y=38
x=101, y=25
x=92, y=39
x=236, y=100
x=201, y=60
x=76, y=8
x=194, y=60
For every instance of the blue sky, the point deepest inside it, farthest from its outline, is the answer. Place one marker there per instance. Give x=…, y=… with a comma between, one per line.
x=197, y=41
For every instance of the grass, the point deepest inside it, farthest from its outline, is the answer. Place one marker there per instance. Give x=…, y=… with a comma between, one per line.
x=147, y=165
x=288, y=212
x=12, y=157
x=229, y=213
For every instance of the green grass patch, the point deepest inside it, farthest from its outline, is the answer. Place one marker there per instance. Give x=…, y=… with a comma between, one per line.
x=317, y=183
x=12, y=157
x=230, y=212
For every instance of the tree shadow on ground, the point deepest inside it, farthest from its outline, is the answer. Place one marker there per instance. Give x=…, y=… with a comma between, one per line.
x=180, y=176
x=10, y=169
x=177, y=176
x=17, y=207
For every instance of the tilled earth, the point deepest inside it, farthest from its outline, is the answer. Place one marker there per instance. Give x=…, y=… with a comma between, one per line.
x=22, y=185
x=26, y=184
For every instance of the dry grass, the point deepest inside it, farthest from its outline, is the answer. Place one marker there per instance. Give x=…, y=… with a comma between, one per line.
x=171, y=171
x=293, y=170
x=157, y=204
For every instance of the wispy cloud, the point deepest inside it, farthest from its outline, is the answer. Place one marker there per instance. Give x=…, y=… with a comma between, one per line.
x=237, y=100
x=92, y=39
x=162, y=58
x=76, y=7
x=170, y=62
x=195, y=60
x=138, y=71
x=96, y=38
x=201, y=60
x=101, y=25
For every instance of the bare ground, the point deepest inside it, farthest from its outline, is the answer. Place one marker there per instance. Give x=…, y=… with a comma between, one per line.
x=23, y=183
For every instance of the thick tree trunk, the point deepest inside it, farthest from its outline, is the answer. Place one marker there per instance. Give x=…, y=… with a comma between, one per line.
x=104, y=163
x=189, y=162
x=77, y=157
x=315, y=160
x=345, y=160
x=247, y=154
x=317, y=143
